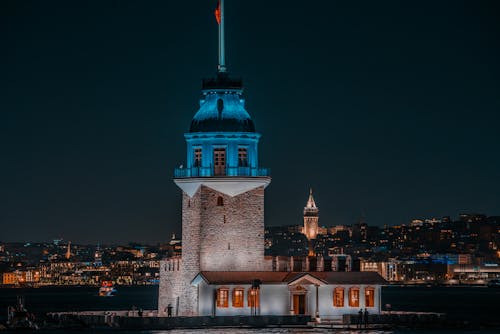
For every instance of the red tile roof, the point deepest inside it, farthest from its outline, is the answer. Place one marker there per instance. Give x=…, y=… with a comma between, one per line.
x=244, y=277
x=283, y=277
x=350, y=277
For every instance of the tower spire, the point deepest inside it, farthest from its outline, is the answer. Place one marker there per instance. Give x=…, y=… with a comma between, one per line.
x=310, y=202
x=219, y=14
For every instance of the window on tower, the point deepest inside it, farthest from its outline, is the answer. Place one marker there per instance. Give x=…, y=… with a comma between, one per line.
x=242, y=157
x=197, y=157
x=219, y=161
x=220, y=201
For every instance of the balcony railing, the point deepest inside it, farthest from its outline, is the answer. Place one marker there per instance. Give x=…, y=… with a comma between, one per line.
x=220, y=172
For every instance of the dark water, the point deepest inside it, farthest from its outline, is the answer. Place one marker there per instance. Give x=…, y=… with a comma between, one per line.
x=53, y=299
x=477, y=304
x=467, y=304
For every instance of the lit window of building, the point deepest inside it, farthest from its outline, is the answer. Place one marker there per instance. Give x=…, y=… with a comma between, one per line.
x=222, y=297
x=354, y=297
x=238, y=297
x=369, y=297
x=338, y=297
x=253, y=297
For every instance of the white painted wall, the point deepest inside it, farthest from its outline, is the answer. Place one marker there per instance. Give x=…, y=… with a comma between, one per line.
x=275, y=300
x=326, y=308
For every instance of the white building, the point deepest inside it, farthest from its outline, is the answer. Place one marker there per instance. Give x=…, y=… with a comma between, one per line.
x=318, y=294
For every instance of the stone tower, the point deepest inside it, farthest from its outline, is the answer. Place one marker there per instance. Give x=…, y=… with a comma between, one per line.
x=311, y=218
x=222, y=194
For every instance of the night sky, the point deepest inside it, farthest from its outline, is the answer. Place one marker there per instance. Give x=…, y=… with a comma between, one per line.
x=388, y=109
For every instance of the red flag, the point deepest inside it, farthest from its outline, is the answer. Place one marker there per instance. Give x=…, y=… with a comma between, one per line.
x=217, y=12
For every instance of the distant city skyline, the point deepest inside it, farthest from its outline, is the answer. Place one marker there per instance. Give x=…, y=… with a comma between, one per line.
x=387, y=110
x=59, y=240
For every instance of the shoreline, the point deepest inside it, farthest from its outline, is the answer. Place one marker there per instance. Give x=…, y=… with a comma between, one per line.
x=412, y=284
x=127, y=320
x=458, y=302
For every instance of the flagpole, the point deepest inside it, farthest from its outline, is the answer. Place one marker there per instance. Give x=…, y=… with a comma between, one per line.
x=222, y=60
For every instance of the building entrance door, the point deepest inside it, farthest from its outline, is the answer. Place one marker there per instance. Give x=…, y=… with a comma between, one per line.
x=299, y=304
x=219, y=162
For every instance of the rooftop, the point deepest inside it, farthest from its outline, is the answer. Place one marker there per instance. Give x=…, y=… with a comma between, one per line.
x=280, y=277
x=222, y=108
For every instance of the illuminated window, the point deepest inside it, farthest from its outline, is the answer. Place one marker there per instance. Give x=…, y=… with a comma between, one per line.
x=354, y=297
x=369, y=297
x=222, y=297
x=219, y=161
x=253, y=297
x=197, y=157
x=238, y=297
x=242, y=157
x=220, y=201
x=338, y=297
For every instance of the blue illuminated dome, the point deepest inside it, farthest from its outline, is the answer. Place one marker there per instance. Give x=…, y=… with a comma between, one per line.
x=222, y=108
x=222, y=141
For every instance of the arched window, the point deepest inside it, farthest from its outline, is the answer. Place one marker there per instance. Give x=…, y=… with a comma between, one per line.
x=338, y=297
x=222, y=297
x=253, y=297
x=369, y=297
x=354, y=297
x=220, y=201
x=238, y=295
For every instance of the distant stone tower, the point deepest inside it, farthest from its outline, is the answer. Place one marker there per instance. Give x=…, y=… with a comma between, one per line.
x=68, y=251
x=311, y=218
x=222, y=194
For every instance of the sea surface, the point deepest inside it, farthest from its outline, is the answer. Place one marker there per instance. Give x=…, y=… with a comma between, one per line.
x=471, y=305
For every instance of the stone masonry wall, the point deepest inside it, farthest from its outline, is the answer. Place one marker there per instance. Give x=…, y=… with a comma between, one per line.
x=232, y=234
x=228, y=237
x=311, y=227
x=171, y=285
x=175, y=286
x=191, y=239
